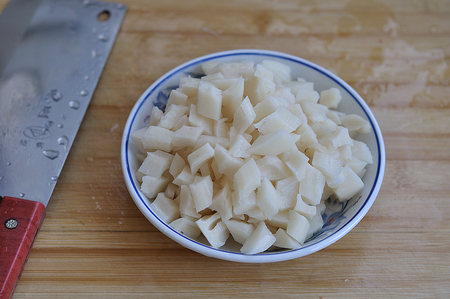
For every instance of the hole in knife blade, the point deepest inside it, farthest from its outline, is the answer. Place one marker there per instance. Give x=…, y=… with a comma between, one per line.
x=103, y=16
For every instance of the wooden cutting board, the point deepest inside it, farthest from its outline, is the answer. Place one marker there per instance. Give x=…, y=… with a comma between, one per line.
x=94, y=242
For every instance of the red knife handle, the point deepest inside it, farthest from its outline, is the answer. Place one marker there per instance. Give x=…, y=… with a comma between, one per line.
x=20, y=220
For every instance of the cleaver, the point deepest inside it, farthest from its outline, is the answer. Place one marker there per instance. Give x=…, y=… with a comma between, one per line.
x=52, y=53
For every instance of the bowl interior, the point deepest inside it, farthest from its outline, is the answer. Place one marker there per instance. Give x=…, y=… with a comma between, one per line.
x=339, y=218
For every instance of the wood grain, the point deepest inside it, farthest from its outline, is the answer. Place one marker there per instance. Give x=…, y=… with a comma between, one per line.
x=94, y=242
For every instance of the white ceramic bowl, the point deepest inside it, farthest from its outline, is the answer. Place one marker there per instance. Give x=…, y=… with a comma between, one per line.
x=339, y=218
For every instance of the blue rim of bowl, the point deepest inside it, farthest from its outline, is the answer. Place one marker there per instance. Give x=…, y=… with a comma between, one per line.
x=294, y=253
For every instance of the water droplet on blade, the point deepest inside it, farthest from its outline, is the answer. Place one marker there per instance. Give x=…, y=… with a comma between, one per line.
x=51, y=154
x=54, y=178
x=63, y=140
x=8, y=163
x=102, y=37
x=84, y=93
x=56, y=95
x=22, y=194
x=60, y=126
x=74, y=104
x=86, y=78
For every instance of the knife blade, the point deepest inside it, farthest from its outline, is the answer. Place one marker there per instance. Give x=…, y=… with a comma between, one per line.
x=51, y=57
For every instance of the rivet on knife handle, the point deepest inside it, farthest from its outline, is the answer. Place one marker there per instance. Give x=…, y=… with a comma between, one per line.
x=20, y=221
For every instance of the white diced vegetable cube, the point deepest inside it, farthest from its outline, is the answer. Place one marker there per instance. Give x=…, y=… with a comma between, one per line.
x=240, y=230
x=157, y=138
x=311, y=187
x=186, y=136
x=284, y=92
x=243, y=204
x=307, y=95
x=136, y=136
x=155, y=116
x=176, y=97
x=258, y=88
x=272, y=144
x=213, y=229
x=307, y=137
x=172, y=190
x=340, y=137
x=224, y=84
x=187, y=204
x=183, y=121
x=222, y=203
x=165, y=208
x=267, y=198
x=202, y=192
x=298, y=226
x=350, y=186
x=281, y=119
x=197, y=158
x=212, y=77
x=260, y=240
x=171, y=116
x=355, y=123
x=244, y=116
x=186, y=227
x=334, y=182
x=281, y=72
x=235, y=69
x=329, y=166
x=315, y=112
x=247, y=178
x=177, y=165
x=185, y=177
x=220, y=128
x=287, y=191
x=209, y=100
x=361, y=151
x=207, y=66
x=323, y=132
x=280, y=220
x=232, y=98
x=267, y=106
x=356, y=165
x=273, y=168
x=285, y=241
x=296, y=161
x=345, y=152
x=255, y=215
x=151, y=186
x=226, y=164
x=212, y=141
x=304, y=209
x=262, y=71
x=197, y=120
x=297, y=110
x=189, y=85
x=295, y=86
x=335, y=116
x=238, y=148
x=330, y=97
x=205, y=170
x=156, y=163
